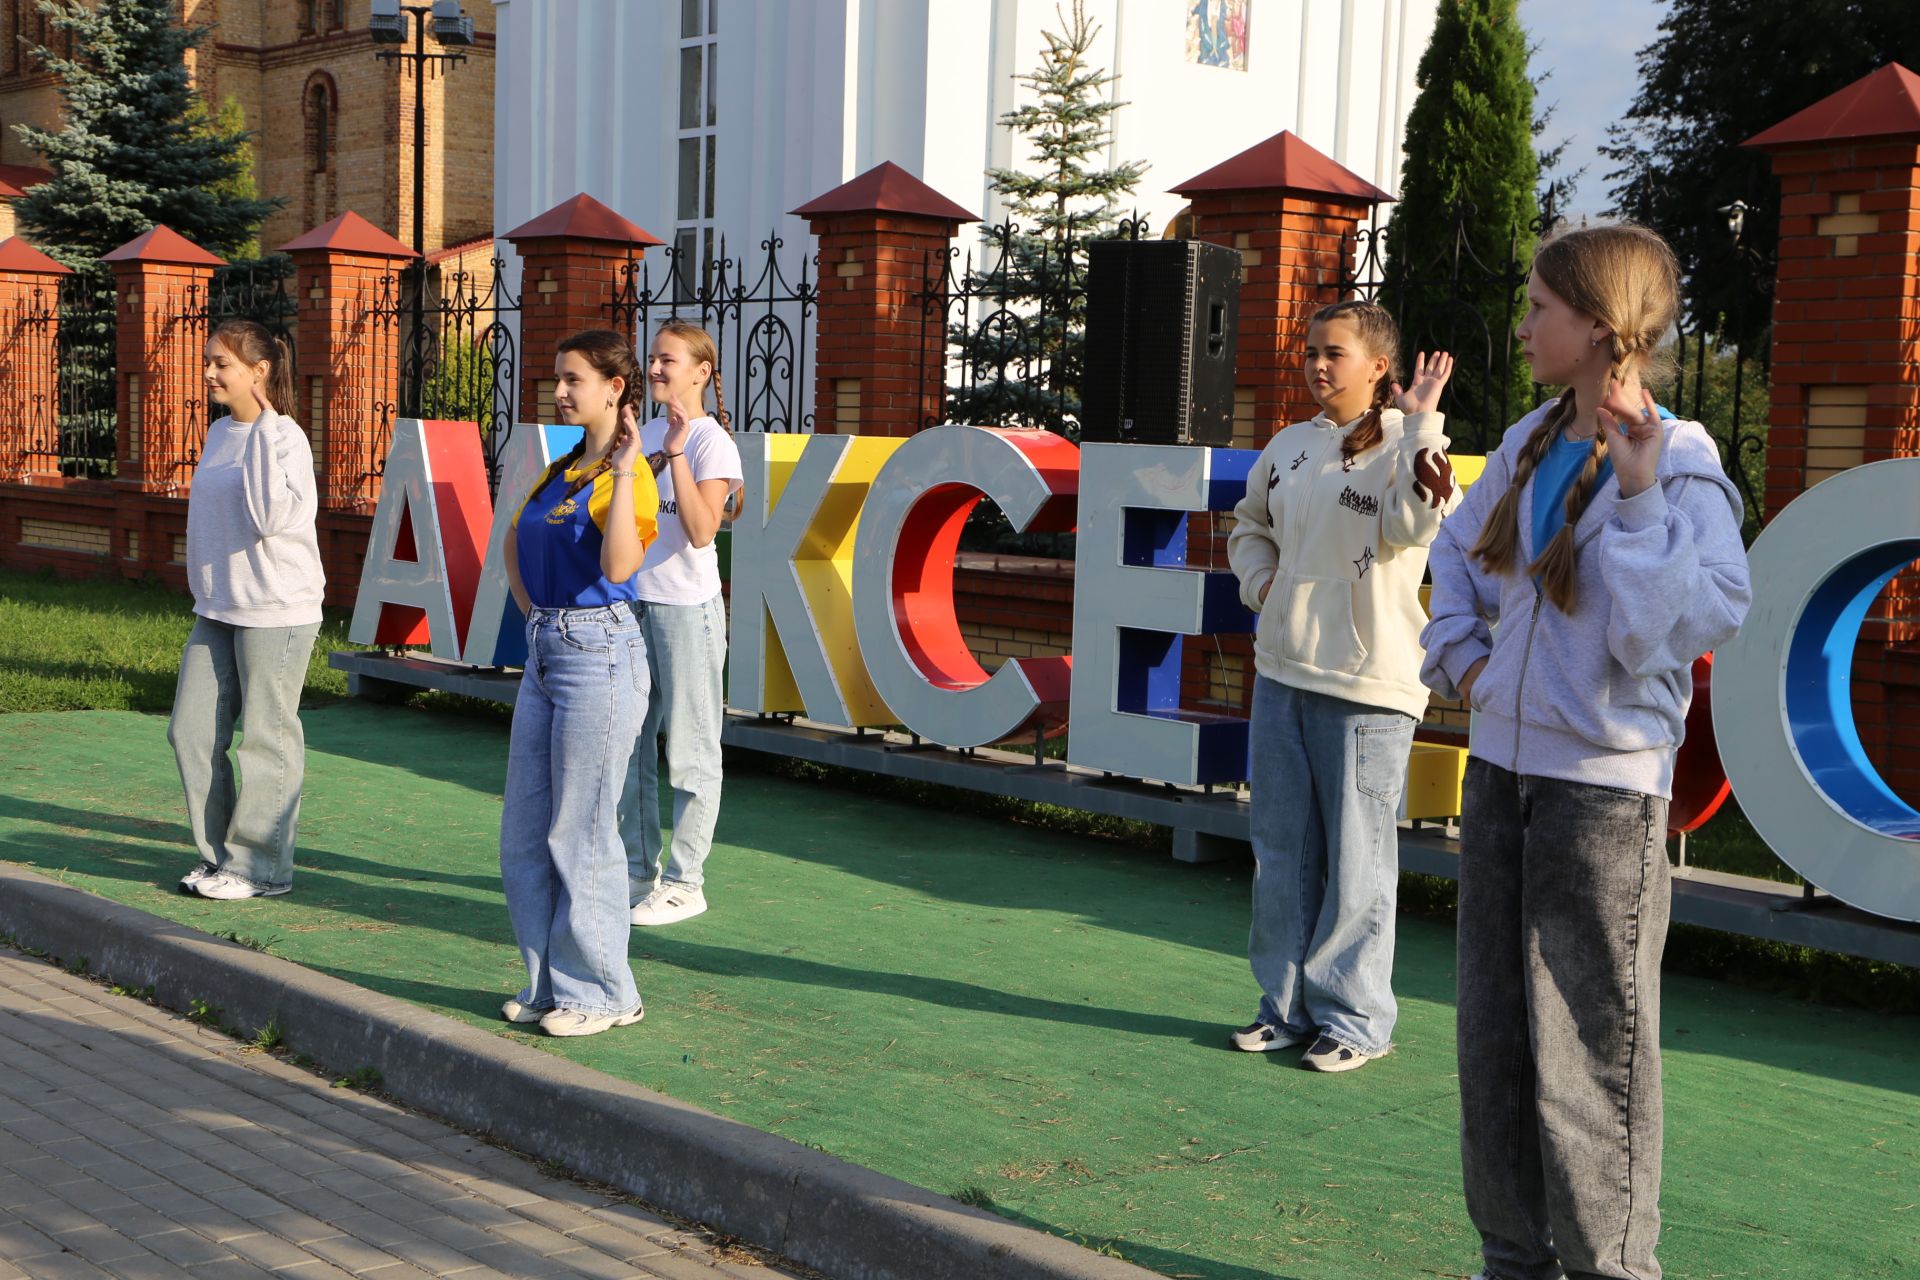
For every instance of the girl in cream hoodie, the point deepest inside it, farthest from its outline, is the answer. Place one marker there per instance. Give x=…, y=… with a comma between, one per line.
x=1330, y=545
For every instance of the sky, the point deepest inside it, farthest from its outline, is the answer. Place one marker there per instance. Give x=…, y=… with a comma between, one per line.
x=1589, y=49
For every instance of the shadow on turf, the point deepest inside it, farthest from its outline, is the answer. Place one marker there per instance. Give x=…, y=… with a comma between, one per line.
x=466, y=752
x=155, y=854
x=1133, y=897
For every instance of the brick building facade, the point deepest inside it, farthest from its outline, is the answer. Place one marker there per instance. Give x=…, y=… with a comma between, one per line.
x=333, y=125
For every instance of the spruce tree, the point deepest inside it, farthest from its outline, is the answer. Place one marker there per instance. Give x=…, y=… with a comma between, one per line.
x=1034, y=303
x=130, y=155
x=1463, y=232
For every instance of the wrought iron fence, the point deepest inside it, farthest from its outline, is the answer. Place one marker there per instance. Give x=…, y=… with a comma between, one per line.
x=763, y=329
x=1002, y=336
x=1727, y=391
x=84, y=370
x=439, y=345
x=1446, y=296
x=242, y=291
x=66, y=403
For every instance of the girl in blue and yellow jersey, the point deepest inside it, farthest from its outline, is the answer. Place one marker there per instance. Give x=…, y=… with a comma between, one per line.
x=577, y=542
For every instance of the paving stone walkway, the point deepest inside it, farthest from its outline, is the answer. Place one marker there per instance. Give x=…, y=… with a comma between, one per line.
x=136, y=1143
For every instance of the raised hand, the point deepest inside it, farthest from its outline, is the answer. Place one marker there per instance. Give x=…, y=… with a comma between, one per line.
x=1634, y=438
x=1430, y=374
x=678, y=425
x=626, y=442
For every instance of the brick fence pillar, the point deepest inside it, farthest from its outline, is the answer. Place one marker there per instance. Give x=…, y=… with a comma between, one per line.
x=29, y=369
x=346, y=362
x=879, y=350
x=1846, y=352
x=160, y=283
x=1292, y=213
x=571, y=257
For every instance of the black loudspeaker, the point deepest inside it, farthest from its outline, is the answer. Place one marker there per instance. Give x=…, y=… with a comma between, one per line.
x=1163, y=320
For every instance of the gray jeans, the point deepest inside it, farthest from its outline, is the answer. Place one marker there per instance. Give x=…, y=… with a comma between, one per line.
x=1564, y=900
x=687, y=652
x=251, y=676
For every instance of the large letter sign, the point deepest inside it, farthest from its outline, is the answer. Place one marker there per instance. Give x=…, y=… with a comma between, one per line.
x=1783, y=699
x=423, y=559
x=903, y=579
x=792, y=630
x=497, y=636
x=1134, y=600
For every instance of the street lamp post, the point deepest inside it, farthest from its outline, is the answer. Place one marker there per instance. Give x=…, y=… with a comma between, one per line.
x=388, y=25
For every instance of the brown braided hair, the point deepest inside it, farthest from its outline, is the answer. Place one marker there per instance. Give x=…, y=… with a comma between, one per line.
x=1627, y=278
x=611, y=356
x=1379, y=336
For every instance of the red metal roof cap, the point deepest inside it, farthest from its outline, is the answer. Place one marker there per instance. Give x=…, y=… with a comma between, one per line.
x=886, y=188
x=350, y=233
x=17, y=255
x=583, y=218
x=1283, y=162
x=24, y=176
x=1879, y=104
x=163, y=244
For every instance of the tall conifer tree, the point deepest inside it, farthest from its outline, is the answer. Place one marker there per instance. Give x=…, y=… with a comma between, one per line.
x=1068, y=196
x=133, y=150
x=1467, y=187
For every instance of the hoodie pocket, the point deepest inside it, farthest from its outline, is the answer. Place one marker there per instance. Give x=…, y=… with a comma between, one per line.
x=1317, y=628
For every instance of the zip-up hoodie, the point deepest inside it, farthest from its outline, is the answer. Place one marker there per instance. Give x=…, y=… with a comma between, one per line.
x=1345, y=546
x=253, y=558
x=1600, y=695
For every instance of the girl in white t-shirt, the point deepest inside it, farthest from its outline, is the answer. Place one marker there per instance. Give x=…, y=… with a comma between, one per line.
x=697, y=468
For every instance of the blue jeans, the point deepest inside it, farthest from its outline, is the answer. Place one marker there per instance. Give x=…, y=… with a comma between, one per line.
x=253, y=675
x=686, y=653
x=1564, y=901
x=582, y=697
x=1327, y=777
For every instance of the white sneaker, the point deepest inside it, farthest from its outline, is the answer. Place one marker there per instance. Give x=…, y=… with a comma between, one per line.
x=573, y=1022
x=226, y=886
x=1259, y=1037
x=670, y=903
x=514, y=1011
x=1329, y=1054
x=201, y=870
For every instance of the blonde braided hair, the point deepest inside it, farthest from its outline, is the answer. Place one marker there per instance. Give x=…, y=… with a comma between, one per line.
x=1626, y=278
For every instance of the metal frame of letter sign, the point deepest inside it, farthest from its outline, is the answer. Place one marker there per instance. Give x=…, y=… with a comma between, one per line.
x=792, y=632
x=903, y=561
x=424, y=554
x=1783, y=696
x=497, y=636
x=1132, y=559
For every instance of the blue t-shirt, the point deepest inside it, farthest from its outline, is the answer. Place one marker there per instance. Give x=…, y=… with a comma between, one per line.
x=558, y=539
x=1555, y=476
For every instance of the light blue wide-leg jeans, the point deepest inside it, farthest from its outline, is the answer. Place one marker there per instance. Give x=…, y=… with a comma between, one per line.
x=687, y=652
x=581, y=701
x=1327, y=777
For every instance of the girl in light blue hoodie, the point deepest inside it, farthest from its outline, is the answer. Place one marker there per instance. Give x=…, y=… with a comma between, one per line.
x=1604, y=539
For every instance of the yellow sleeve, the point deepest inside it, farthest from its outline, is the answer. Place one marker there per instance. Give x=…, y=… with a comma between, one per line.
x=646, y=505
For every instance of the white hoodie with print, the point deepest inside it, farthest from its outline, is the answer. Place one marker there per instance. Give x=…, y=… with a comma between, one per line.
x=1344, y=543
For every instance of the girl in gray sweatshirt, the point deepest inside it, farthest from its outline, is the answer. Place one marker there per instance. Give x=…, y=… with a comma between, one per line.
x=1604, y=540
x=253, y=563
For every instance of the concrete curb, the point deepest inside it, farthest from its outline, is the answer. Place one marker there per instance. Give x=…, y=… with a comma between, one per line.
x=850, y=1222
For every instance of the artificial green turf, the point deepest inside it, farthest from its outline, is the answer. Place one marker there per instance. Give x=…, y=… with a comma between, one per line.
x=1014, y=1016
